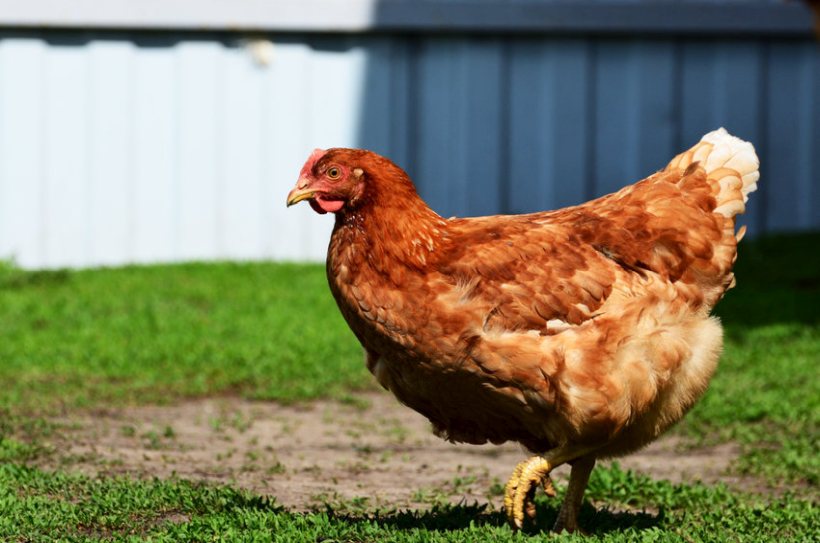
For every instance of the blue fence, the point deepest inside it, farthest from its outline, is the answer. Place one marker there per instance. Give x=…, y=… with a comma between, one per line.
x=136, y=146
x=490, y=125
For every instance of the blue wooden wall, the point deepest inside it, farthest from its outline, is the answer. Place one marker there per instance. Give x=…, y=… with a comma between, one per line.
x=486, y=125
x=138, y=147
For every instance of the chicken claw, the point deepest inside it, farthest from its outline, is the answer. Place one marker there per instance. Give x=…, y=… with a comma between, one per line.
x=520, y=489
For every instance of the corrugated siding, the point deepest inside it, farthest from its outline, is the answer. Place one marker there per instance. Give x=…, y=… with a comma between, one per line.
x=524, y=124
x=155, y=149
x=130, y=147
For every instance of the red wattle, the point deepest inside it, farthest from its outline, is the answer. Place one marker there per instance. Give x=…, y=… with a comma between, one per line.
x=315, y=205
x=328, y=206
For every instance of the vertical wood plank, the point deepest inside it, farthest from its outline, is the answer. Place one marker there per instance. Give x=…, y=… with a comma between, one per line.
x=200, y=132
x=154, y=151
x=807, y=136
x=483, y=116
x=240, y=232
x=656, y=108
x=549, y=124
x=398, y=104
x=699, y=107
x=572, y=97
x=532, y=137
x=66, y=155
x=617, y=130
x=788, y=167
x=21, y=160
x=375, y=127
x=110, y=184
x=441, y=143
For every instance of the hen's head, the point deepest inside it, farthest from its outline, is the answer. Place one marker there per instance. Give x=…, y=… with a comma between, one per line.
x=330, y=180
x=342, y=180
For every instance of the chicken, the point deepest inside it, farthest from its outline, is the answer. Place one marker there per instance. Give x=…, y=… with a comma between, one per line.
x=581, y=333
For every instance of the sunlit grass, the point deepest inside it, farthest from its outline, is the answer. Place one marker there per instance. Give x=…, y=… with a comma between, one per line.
x=154, y=334
x=46, y=507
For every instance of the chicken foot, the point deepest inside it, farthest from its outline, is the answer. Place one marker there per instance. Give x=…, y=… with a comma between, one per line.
x=520, y=489
x=527, y=472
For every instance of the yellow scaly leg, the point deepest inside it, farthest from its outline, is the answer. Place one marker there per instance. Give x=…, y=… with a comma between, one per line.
x=579, y=477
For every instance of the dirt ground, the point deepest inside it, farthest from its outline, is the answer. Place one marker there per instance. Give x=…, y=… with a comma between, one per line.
x=371, y=452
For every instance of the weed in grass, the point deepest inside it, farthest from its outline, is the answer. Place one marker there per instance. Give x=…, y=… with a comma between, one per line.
x=153, y=438
x=462, y=484
x=430, y=496
x=495, y=489
x=240, y=422
x=395, y=431
x=128, y=431
x=227, y=455
x=216, y=424
x=385, y=456
x=363, y=449
x=68, y=460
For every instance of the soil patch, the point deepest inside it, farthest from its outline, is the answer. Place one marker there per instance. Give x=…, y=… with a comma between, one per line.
x=372, y=452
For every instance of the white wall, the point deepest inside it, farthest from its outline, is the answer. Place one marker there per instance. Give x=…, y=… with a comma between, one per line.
x=113, y=151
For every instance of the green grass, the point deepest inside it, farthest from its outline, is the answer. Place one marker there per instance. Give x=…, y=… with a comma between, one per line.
x=45, y=507
x=148, y=334
x=81, y=339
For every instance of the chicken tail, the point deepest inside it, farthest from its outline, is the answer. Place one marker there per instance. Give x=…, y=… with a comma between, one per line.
x=731, y=168
x=731, y=165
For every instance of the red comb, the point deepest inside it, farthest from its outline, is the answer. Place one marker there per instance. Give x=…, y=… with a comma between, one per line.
x=311, y=161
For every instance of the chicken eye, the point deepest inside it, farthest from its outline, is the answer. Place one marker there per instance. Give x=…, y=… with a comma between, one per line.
x=333, y=172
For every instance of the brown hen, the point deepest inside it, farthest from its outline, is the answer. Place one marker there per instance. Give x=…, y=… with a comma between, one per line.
x=581, y=333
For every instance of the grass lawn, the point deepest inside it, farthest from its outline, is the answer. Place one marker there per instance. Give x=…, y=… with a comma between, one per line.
x=76, y=340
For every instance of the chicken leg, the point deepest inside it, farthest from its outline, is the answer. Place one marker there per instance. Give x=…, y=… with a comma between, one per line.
x=579, y=477
x=520, y=489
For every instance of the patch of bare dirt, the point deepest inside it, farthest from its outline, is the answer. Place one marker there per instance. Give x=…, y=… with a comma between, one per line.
x=373, y=452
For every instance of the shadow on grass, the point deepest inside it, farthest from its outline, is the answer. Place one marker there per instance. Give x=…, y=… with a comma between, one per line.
x=444, y=518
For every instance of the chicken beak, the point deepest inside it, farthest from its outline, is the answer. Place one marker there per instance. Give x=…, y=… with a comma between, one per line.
x=298, y=194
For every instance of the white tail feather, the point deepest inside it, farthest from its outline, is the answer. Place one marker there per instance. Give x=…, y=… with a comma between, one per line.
x=732, y=153
x=732, y=166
